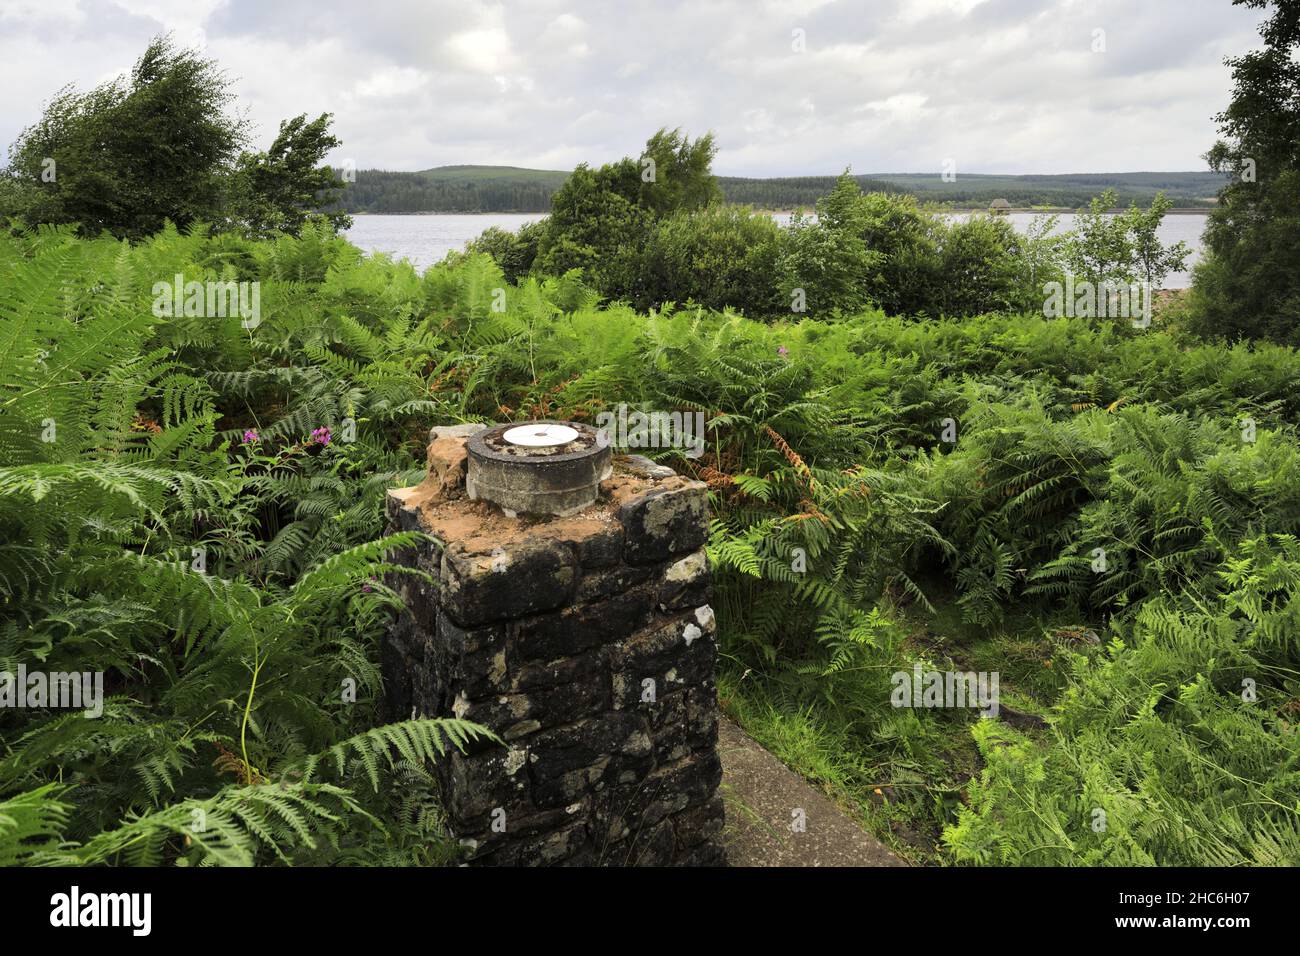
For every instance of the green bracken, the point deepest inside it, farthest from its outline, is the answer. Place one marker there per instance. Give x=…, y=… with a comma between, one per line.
x=849, y=541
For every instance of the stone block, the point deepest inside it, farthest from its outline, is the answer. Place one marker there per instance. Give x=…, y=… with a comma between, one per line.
x=446, y=461
x=581, y=628
x=475, y=784
x=521, y=713
x=643, y=467
x=589, y=754
x=652, y=846
x=685, y=582
x=401, y=515
x=463, y=432
x=668, y=519
x=481, y=586
x=696, y=777
x=563, y=847
x=596, y=584
x=675, y=654
x=699, y=823
x=668, y=727
x=471, y=663
x=398, y=668
x=702, y=716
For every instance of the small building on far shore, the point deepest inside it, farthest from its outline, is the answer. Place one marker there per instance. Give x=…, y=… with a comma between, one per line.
x=999, y=207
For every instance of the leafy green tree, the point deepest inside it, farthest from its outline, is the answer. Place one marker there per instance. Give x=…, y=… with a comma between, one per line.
x=909, y=260
x=1123, y=248
x=719, y=257
x=514, y=252
x=1152, y=259
x=160, y=145
x=885, y=249
x=979, y=260
x=904, y=239
x=1039, y=262
x=843, y=207
x=680, y=177
x=131, y=153
x=597, y=226
x=823, y=270
x=281, y=189
x=1099, y=249
x=1248, y=284
x=601, y=219
x=908, y=238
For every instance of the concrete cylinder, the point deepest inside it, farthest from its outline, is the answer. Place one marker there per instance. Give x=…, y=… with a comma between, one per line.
x=537, y=479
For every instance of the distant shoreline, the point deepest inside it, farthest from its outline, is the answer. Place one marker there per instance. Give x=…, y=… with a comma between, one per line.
x=1037, y=210
x=1043, y=210
x=446, y=212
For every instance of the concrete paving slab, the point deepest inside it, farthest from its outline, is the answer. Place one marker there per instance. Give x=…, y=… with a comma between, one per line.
x=775, y=818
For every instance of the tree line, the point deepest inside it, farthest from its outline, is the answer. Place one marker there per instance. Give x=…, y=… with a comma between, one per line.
x=655, y=229
x=381, y=191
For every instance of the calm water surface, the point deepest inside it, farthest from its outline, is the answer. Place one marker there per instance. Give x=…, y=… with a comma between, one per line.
x=425, y=239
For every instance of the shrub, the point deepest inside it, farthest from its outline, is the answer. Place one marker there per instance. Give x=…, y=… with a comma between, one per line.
x=719, y=257
x=515, y=252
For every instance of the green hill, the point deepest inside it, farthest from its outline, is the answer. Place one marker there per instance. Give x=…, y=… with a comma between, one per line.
x=1065, y=189
x=513, y=174
x=471, y=189
x=453, y=189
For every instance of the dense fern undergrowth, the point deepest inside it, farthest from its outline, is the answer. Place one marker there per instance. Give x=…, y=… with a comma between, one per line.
x=175, y=516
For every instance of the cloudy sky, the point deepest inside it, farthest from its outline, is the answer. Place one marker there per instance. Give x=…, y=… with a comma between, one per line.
x=790, y=87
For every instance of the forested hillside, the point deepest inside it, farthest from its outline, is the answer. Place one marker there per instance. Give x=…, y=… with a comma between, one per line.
x=1069, y=190
x=458, y=189
x=452, y=189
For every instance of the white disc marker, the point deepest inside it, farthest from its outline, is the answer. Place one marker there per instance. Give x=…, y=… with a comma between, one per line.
x=541, y=435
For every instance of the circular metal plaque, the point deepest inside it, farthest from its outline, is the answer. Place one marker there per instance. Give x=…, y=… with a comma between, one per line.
x=540, y=435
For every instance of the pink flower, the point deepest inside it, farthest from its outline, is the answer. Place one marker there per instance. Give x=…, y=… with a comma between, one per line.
x=251, y=437
x=783, y=351
x=321, y=435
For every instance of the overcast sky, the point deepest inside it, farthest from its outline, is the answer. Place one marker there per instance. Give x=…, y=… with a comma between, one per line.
x=790, y=88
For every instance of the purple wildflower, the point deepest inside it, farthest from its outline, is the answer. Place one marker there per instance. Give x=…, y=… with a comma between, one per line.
x=783, y=351
x=321, y=435
x=251, y=437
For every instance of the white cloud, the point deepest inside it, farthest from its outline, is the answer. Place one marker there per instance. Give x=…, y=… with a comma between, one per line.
x=186, y=18
x=900, y=105
x=918, y=11
x=568, y=34
x=484, y=51
x=392, y=81
x=895, y=85
x=41, y=11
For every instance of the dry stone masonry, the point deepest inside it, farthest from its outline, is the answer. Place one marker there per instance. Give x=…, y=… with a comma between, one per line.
x=587, y=644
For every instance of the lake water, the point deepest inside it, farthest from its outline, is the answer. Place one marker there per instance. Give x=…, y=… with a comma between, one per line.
x=425, y=239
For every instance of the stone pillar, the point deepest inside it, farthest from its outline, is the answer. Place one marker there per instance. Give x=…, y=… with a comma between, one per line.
x=587, y=644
